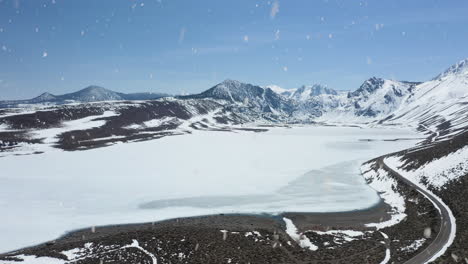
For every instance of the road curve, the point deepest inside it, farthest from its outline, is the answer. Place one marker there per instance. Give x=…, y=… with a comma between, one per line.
x=443, y=236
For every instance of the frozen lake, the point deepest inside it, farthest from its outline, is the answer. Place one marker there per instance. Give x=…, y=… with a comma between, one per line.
x=313, y=169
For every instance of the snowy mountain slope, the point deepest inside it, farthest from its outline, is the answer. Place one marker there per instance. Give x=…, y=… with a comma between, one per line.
x=248, y=96
x=440, y=104
x=374, y=100
x=305, y=92
x=280, y=90
x=377, y=96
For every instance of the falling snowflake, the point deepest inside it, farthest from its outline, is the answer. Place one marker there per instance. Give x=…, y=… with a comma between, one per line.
x=274, y=10
x=427, y=232
x=307, y=37
x=37, y=30
x=44, y=54
x=379, y=27
x=369, y=60
x=330, y=35
x=182, y=35
x=246, y=38
x=82, y=32
x=4, y=48
x=277, y=35
x=285, y=68
x=403, y=33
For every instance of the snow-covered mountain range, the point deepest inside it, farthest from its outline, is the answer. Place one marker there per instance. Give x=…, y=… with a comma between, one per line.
x=437, y=104
x=89, y=94
x=438, y=107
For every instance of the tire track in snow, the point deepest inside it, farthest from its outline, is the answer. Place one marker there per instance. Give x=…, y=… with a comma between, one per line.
x=135, y=244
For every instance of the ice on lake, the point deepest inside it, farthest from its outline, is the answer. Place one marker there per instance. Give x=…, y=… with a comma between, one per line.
x=311, y=168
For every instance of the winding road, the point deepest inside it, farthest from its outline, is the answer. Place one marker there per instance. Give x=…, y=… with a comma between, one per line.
x=431, y=252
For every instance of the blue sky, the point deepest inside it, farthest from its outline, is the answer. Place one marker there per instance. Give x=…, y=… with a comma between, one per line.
x=186, y=46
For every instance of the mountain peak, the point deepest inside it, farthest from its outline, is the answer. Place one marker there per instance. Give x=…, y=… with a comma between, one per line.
x=93, y=93
x=94, y=88
x=369, y=86
x=460, y=68
x=230, y=83
x=44, y=97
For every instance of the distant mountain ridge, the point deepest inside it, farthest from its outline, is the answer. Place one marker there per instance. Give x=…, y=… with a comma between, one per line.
x=91, y=93
x=438, y=103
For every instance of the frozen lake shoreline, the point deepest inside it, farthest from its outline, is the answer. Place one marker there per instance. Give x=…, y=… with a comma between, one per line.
x=280, y=170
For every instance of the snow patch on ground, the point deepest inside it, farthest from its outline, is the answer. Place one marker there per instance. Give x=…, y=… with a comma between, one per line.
x=34, y=260
x=414, y=246
x=77, y=254
x=135, y=244
x=387, y=251
x=49, y=135
x=385, y=186
x=302, y=240
x=5, y=128
x=153, y=123
x=346, y=235
x=441, y=171
x=395, y=163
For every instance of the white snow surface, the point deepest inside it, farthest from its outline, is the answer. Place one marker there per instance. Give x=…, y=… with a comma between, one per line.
x=387, y=257
x=279, y=90
x=285, y=169
x=414, y=246
x=395, y=164
x=347, y=234
x=302, y=240
x=441, y=171
x=50, y=135
x=35, y=260
x=387, y=251
x=4, y=127
x=135, y=244
x=382, y=183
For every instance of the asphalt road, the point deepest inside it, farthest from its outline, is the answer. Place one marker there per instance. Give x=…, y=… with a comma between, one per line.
x=443, y=235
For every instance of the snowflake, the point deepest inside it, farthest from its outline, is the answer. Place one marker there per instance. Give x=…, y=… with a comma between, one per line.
x=274, y=10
